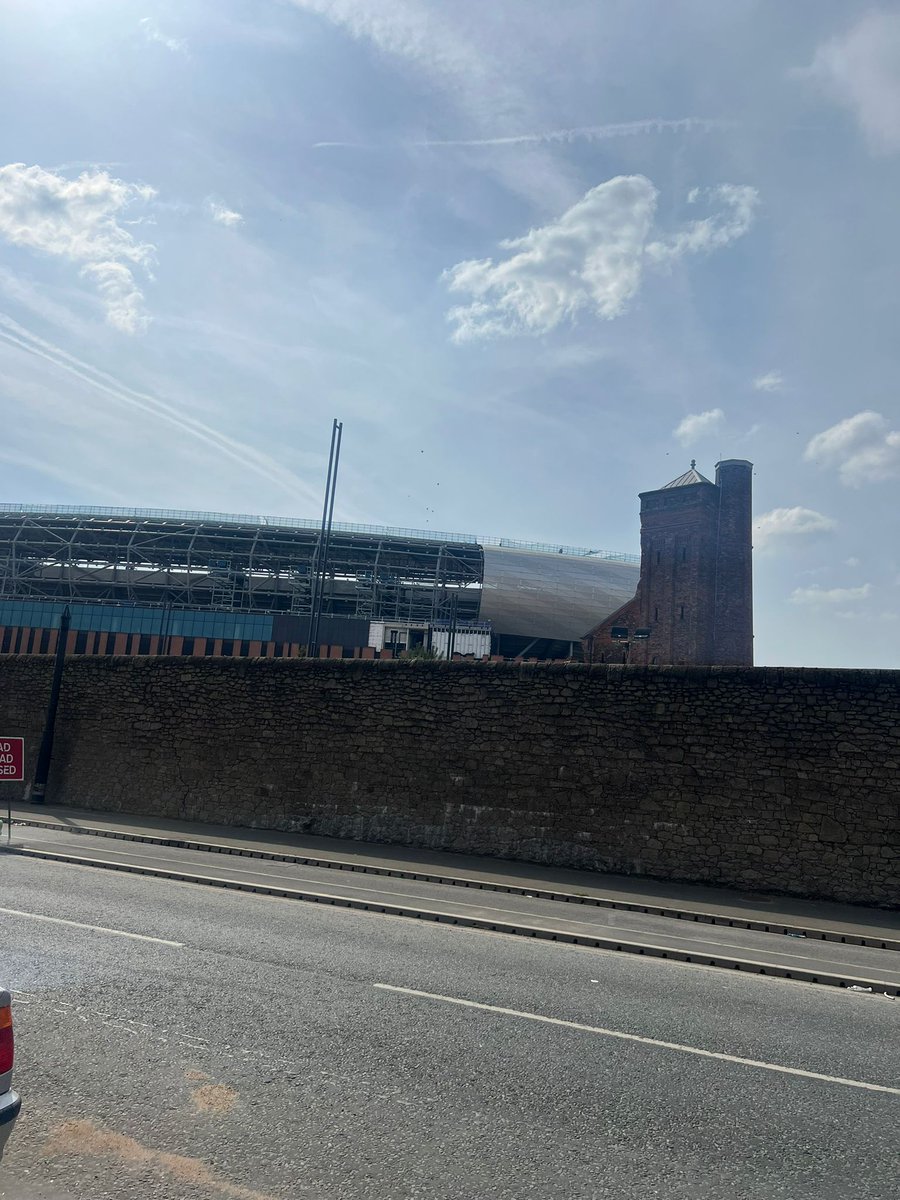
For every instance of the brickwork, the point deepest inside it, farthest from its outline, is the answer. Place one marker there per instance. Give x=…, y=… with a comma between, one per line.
x=32, y=640
x=733, y=627
x=694, y=601
x=766, y=778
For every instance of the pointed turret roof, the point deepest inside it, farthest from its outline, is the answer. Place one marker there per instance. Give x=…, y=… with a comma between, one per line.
x=689, y=477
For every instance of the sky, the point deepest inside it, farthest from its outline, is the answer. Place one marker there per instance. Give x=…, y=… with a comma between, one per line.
x=536, y=255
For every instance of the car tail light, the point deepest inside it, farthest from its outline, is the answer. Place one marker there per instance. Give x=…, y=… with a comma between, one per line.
x=6, y=1039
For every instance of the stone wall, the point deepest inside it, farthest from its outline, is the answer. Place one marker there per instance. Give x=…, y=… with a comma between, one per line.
x=782, y=779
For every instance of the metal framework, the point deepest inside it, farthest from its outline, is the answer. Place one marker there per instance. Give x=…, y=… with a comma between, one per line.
x=209, y=561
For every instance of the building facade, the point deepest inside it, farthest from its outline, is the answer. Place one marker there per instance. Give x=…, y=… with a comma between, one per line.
x=694, y=599
x=140, y=581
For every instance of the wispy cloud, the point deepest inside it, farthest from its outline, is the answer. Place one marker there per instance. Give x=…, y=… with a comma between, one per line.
x=825, y=596
x=734, y=218
x=589, y=133
x=223, y=215
x=81, y=220
x=772, y=381
x=16, y=335
x=861, y=70
x=592, y=257
x=698, y=425
x=782, y=526
x=863, y=448
x=153, y=33
x=451, y=57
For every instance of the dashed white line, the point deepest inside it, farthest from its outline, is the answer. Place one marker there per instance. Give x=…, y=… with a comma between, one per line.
x=644, y=1041
x=140, y=937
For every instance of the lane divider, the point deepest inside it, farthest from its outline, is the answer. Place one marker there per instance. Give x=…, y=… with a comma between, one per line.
x=138, y=937
x=517, y=929
x=811, y=932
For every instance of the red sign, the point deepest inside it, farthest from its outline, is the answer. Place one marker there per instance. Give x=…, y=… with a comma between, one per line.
x=12, y=759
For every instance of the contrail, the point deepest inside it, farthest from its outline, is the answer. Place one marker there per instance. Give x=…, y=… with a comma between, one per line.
x=17, y=335
x=591, y=133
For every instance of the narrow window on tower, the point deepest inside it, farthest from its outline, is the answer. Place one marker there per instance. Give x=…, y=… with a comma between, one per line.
x=657, y=557
x=684, y=554
x=656, y=614
x=681, y=614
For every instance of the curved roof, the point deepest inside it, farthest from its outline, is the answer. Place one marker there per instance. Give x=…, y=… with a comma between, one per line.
x=557, y=596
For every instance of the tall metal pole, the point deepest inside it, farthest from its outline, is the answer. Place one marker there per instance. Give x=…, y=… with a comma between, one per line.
x=164, y=642
x=314, y=573
x=45, y=753
x=451, y=636
x=339, y=429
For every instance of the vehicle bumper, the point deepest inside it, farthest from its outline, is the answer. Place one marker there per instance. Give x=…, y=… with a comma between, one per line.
x=10, y=1103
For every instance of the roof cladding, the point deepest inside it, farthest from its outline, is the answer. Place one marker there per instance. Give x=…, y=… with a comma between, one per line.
x=552, y=595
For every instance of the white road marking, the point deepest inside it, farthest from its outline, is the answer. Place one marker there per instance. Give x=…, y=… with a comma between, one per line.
x=140, y=937
x=602, y=927
x=644, y=1041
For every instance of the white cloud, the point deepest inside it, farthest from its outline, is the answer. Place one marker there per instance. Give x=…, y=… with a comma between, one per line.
x=772, y=381
x=224, y=216
x=861, y=70
x=784, y=524
x=698, y=425
x=78, y=219
x=153, y=33
x=862, y=447
x=817, y=595
x=592, y=258
x=739, y=204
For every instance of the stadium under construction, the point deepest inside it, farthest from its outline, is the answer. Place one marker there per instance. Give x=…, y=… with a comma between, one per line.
x=151, y=581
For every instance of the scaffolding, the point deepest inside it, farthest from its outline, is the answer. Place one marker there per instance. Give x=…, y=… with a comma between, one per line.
x=207, y=561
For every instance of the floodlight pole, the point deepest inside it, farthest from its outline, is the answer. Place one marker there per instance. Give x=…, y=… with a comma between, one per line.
x=319, y=561
x=336, y=454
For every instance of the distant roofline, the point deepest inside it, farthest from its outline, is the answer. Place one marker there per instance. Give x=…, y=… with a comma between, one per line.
x=428, y=535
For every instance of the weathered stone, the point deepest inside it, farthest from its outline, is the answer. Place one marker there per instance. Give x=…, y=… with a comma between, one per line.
x=831, y=831
x=624, y=769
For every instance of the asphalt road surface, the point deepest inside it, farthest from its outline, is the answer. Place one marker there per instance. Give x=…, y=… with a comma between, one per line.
x=719, y=942
x=241, y=1046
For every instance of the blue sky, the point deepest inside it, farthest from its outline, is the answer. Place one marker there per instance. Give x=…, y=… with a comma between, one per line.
x=536, y=255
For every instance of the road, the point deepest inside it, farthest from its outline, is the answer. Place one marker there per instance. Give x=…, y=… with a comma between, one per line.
x=643, y=932
x=236, y=1045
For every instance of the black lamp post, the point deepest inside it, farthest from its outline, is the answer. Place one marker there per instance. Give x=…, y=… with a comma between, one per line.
x=45, y=753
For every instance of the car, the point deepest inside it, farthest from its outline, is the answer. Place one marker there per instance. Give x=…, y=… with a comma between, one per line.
x=10, y=1102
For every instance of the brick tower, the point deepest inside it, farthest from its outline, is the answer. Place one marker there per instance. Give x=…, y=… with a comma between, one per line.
x=694, y=602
